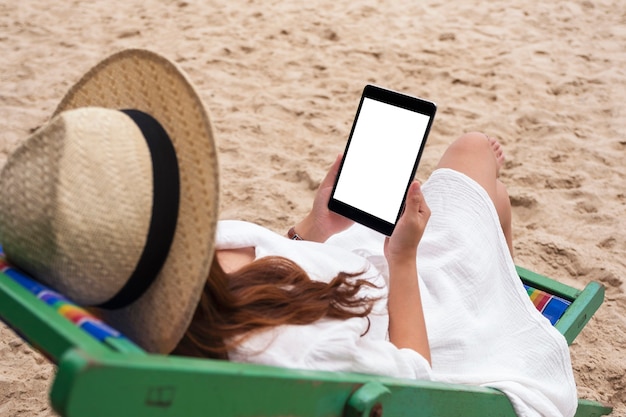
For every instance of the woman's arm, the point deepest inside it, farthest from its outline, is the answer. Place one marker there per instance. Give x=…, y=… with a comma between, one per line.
x=321, y=223
x=407, y=327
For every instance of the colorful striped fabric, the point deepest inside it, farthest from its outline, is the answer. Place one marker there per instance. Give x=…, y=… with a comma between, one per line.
x=551, y=306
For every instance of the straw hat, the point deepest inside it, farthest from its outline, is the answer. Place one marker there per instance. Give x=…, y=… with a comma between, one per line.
x=99, y=205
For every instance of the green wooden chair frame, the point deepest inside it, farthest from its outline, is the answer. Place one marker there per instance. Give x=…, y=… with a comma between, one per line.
x=116, y=378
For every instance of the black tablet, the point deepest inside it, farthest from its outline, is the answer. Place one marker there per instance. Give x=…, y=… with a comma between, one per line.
x=381, y=157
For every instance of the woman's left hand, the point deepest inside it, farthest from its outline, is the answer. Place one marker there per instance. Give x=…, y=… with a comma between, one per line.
x=408, y=232
x=321, y=223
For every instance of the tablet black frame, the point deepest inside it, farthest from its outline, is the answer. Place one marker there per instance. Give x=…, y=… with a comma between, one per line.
x=393, y=98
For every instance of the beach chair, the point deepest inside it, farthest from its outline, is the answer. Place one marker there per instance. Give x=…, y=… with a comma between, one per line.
x=102, y=373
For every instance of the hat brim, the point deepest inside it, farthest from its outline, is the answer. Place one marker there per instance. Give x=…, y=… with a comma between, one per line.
x=142, y=80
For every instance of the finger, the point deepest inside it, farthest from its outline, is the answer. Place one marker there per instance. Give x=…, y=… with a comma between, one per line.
x=415, y=193
x=417, y=198
x=411, y=205
x=332, y=172
x=423, y=206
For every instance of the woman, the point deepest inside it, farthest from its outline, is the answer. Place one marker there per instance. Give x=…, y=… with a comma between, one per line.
x=357, y=303
x=114, y=201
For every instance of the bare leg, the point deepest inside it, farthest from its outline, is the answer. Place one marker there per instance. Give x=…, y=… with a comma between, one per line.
x=480, y=158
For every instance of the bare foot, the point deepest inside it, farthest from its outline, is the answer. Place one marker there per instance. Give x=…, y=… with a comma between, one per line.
x=498, y=152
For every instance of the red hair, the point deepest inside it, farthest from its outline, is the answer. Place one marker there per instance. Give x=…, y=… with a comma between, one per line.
x=268, y=292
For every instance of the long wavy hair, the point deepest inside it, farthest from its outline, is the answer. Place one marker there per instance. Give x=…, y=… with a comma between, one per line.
x=268, y=292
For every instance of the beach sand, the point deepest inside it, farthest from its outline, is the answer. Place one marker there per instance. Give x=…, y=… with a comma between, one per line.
x=282, y=81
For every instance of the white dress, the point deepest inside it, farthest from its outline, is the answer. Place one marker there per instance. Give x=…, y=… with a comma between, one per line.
x=482, y=328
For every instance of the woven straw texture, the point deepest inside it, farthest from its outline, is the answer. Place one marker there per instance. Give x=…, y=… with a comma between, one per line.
x=79, y=208
x=142, y=80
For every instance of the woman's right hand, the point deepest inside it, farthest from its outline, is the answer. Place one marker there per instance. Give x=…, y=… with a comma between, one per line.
x=402, y=245
x=321, y=223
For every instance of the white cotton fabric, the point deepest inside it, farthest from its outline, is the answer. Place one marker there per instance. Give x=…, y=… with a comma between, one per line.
x=328, y=344
x=482, y=327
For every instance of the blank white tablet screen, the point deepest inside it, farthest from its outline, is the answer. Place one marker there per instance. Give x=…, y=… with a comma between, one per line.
x=378, y=165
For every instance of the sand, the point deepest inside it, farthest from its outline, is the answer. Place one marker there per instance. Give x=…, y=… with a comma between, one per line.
x=282, y=80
